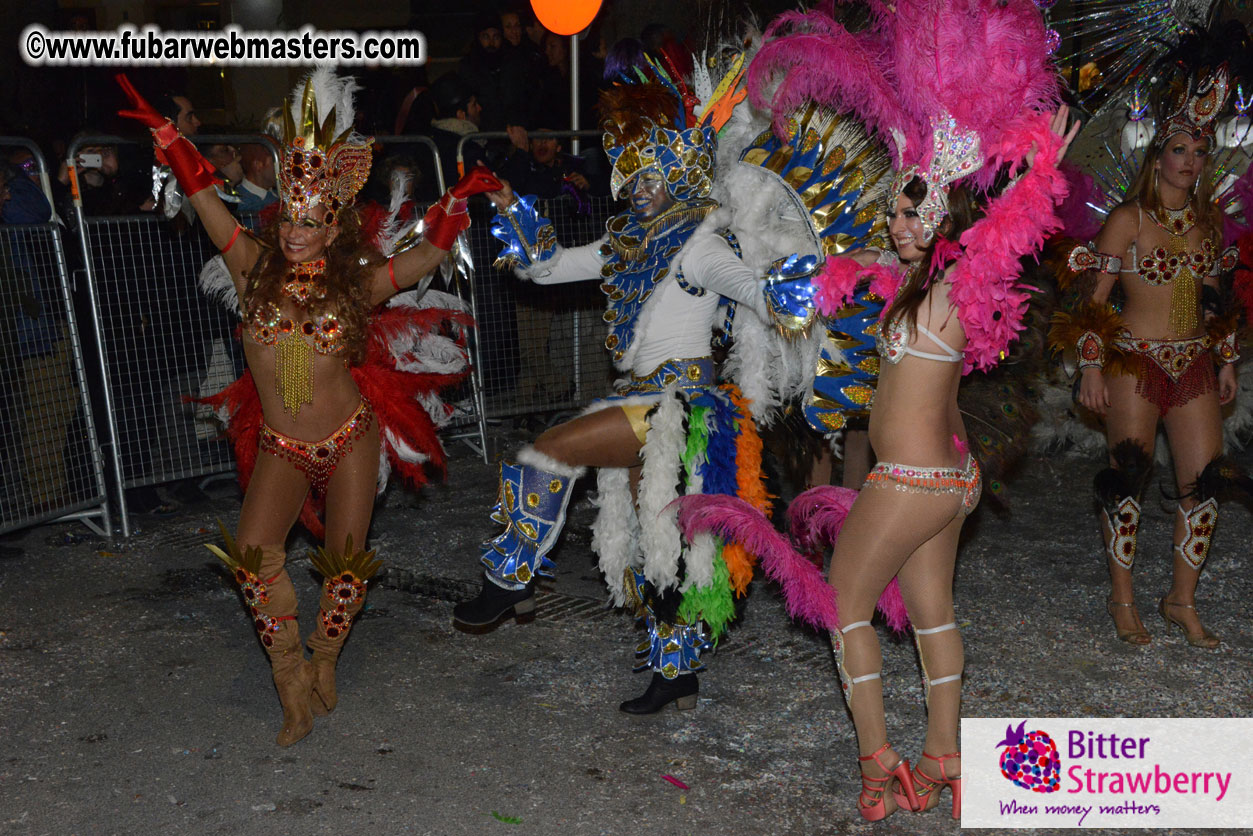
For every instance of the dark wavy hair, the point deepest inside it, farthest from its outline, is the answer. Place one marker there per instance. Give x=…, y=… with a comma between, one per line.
x=963, y=211
x=349, y=262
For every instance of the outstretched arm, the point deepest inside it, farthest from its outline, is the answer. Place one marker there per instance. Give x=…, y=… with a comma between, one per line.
x=196, y=177
x=447, y=219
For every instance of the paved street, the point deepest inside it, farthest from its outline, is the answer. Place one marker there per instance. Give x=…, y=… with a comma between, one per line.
x=136, y=699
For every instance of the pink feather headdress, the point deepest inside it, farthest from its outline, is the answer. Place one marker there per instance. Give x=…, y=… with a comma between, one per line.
x=962, y=89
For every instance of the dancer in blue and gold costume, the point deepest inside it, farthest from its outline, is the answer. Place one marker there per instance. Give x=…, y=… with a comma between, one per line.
x=674, y=274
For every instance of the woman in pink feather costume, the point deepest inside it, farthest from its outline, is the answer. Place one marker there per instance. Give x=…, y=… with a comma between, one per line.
x=907, y=518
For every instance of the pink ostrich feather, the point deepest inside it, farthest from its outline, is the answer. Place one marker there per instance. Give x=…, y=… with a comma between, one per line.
x=1241, y=192
x=806, y=593
x=984, y=281
x=816, y=516
x=815, y=519
x=836, y=283
x=1077, y=217
x=814, y=59
x=984, y=62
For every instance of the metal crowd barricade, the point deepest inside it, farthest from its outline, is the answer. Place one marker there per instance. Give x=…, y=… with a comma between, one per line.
x=157, y=340
x=540, y=348
x=51, y=467
x=468, y=423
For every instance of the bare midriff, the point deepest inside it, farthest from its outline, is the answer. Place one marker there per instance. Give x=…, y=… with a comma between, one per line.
x=915, y=413
x=335, y=392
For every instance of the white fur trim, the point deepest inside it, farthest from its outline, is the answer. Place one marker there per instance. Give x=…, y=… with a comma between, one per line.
x=616, y=531
x=629, y=400
x=700, y=562
x=531, y=457
x=659, y=531
x=541, y=268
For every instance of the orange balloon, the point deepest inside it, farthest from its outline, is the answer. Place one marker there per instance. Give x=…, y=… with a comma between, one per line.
x=566, y=17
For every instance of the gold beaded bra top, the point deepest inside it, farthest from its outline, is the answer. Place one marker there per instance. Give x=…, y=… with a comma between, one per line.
x=295, y=341
x=1174, y=264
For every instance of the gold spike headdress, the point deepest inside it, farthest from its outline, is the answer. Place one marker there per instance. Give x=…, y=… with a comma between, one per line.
x=322, y=160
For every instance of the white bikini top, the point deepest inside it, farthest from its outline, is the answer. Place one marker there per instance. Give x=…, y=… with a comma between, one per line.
x=892, y=341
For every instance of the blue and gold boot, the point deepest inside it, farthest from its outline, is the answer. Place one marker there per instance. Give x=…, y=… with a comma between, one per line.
x=531, y=504
x=672, y=651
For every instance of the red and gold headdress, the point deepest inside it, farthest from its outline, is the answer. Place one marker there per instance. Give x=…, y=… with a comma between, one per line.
x=1195, y=107
x=322, y=160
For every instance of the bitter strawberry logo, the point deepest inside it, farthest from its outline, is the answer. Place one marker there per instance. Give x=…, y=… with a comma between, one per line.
x=1030, y=759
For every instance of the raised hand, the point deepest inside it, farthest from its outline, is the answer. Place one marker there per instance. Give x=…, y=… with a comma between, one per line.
x=448, y=218
x=170, y=147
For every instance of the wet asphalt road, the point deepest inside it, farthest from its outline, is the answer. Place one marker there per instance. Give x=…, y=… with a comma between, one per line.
x=137, y=700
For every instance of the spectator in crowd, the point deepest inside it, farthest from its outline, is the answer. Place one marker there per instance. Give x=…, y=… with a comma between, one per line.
x=36, y=362
x=539, y=165
x=226, y=159
x=178, y=109
x=257, y=189
x=459, y=113
x=516, y=40
x=386, y=171
x=532, y=27
x=416, y=110
x=104, y=191
x=498, y=77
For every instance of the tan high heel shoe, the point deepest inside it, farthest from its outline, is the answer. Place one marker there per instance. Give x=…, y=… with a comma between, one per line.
x=1206, y=639
x=1138, y=637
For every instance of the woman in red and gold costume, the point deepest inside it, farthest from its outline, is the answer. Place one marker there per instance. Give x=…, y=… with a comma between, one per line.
x=309, y=433
x=1166, y=357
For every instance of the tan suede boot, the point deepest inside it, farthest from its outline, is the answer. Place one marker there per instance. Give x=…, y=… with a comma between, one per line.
x=271, y=600
x=343, y=596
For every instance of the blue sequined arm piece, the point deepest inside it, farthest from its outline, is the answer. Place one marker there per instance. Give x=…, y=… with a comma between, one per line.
x=790, y=291
x=527, y=235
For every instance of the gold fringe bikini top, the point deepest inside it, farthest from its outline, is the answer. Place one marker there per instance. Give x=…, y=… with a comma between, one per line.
x=295, y=341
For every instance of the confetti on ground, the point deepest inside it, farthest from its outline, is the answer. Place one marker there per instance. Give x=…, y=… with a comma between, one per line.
x=675, y=781
x=506, y=819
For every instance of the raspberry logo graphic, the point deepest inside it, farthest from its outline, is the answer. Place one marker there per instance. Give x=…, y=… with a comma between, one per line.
x=1030, y=759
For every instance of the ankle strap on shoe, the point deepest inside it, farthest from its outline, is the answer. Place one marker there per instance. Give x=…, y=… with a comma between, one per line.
x=940, y=760
x=927, y=631
x=874, y=756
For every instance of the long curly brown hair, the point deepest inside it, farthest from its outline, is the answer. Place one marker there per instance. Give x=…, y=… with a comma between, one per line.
x=349, y=262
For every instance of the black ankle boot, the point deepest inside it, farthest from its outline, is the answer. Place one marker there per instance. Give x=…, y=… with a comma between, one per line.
x=661, y=692
x=483, y=614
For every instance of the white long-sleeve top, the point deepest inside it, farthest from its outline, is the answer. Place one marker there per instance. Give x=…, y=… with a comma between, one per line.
x=673, y=324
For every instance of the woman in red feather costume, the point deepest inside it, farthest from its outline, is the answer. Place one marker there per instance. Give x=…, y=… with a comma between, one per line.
x=337, y=381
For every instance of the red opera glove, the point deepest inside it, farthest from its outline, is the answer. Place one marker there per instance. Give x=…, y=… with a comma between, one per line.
x=171, y=148
x=448, y=218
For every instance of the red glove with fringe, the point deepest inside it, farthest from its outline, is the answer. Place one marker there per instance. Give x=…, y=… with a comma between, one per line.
x=448, y=218
x=193, y=171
